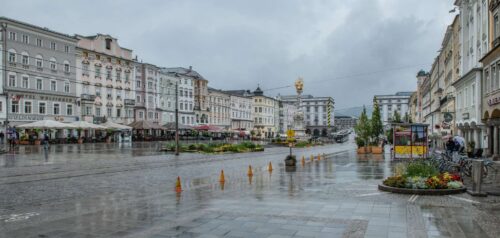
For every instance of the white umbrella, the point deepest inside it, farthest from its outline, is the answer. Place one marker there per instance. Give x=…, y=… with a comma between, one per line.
x=47, y=124
x=116, y=126
x=87, y=125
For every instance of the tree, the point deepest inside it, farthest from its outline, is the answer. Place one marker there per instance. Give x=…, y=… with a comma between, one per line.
x=407, y=118
x=377, y=128
x=363, y=127
x=397, y=117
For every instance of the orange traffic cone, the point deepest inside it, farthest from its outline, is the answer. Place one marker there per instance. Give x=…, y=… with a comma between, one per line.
x=221, y=178
x=303, y=161
x=250, y=172
x=312, y=158
x=270, y=167
x=178, y=186
x=319, y=157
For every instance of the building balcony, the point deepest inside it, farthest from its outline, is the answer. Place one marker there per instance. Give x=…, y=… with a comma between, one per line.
x=87, y=97
x=129, y=102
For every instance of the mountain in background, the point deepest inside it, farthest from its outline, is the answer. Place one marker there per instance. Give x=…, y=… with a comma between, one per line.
x=354, y=111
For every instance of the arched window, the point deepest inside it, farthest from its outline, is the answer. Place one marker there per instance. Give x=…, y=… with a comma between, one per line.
x=39, y=61
x=12, y=56
x=25, y=58
x=66, y=66
x=53, y=63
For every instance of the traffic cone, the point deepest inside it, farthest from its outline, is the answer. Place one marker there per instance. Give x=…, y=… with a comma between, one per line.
x=303, y=161
x=250, y=172
x=221, y=178
x=178, y=186
x=312, y=158
x=270, y=167
x=319, y=157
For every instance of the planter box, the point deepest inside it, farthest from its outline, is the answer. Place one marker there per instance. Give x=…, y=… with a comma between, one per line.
x=377, y=150
x=385, y=188
x=364, y=150
x=38, y=142
x=80, y=140
x=24, y=142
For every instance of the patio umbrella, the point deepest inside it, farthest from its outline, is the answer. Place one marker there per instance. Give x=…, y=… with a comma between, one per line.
x=47, y=124
x=171, y=126
x=145, y=125
x=87, y=125
x=116, y=126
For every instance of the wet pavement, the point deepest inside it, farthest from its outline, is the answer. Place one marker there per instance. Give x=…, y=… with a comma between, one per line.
x=109, y=190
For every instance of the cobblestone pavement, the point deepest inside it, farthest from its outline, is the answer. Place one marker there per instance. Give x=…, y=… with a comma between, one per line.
x=128, y=191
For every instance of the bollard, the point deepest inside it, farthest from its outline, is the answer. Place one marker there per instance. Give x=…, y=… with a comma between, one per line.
x=250, y=172
x=270, y=167
x=178, y=186
x=221, y=178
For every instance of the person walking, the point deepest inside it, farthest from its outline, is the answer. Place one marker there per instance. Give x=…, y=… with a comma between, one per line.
x=2, y=136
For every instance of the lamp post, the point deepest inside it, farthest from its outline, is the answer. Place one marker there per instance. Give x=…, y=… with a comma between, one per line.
x=176, y=119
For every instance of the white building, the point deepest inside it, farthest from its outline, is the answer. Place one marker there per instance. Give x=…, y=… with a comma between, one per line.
x=219, y=105
x=318, y=112
x=389, y=104
x=186, y=100
x=105, y=73
x=287, y=111
x=166, y=96
x=474, y=45
x=241, y=110
x=265, y=111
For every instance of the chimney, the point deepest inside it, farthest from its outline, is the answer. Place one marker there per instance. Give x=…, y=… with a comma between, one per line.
x=190, y=68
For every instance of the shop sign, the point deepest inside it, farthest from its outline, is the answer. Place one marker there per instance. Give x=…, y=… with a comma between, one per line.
x=445, y=125
x=25, y=117
x=465, y=116
x=448, y=117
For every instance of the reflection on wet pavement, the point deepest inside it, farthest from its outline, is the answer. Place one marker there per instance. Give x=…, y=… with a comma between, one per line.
x=124, y=191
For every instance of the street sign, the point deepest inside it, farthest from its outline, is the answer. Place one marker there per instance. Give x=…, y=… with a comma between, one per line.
x=290, y=133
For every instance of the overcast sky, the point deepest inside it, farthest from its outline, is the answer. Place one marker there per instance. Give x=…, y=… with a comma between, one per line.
x=349, y=50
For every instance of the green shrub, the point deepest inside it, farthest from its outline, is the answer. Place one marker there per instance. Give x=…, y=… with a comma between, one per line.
x=360, y=142
x=421, y=169
x=193, y=147
x=396, y=181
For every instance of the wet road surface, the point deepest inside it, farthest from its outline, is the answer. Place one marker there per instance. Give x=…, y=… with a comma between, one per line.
x=109, y=190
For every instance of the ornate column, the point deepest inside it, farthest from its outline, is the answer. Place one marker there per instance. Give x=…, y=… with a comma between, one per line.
x=495, y=140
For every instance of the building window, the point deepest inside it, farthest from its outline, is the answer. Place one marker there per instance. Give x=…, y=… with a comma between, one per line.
x=66, y=86
x=39, y=61
x=12, y=36
x=69, y=109
x=27, y=107
x=127, y=77
x=141, y=115
x=88, y=110
x=39, y=84
x=108, y=43
x=98, y=111
x=66, y=49
x=473, y=95
x=138, y=84
x=25, y=59
x=98, y=91
x=118, y=76
x=98, y=71
x=53, y=85
x=150, y=115
x=109, y=111
x=39, y=42
x=12, y=56
x=66, y=67
x=41, y=108
x=53, y=64
x=53, y=45
x=150, y=85
x=108, y=74
x=85, y=69
x=12, y=80
x=56, y=109
x=25, y=82
x=15, y=107
x=26, y=39
x=118, y=112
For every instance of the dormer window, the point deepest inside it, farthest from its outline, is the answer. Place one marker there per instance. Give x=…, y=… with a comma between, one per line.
x=108, y=43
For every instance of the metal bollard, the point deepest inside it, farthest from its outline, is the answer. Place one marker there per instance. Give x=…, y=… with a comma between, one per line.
x=477, y=178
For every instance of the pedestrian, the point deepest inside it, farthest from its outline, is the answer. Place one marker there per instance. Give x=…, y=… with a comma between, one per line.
x=45, y=141
x=2, y=136
x=459, y=144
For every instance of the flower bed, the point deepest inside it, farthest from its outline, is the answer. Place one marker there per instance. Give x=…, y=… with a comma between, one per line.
x=216, y=147
x=421, y=177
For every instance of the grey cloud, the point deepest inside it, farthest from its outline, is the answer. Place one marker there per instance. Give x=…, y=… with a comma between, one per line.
x=239, y=44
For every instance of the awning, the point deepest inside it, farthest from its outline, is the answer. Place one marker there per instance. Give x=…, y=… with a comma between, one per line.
x=47, y=124
x=87, y=125
x=145, y=125
x=171, y=126
x=115, y=126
